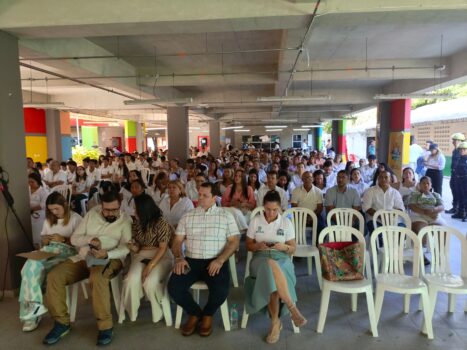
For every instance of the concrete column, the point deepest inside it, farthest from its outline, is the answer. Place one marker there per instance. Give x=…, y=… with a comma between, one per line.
x=382, y=131
x=140, y=138
x=399, y=137
x=52, y=119
x=335, y=134
x=215, y=137
x=13, y=161
x=36, y=130
x=177, y=133
x=230, y=134
x=342, y=140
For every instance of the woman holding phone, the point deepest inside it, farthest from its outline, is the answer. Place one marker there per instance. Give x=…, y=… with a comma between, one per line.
x=60, y=223
x=271, y=283
x=151, y=260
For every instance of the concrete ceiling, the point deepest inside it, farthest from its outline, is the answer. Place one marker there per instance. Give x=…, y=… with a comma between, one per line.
x=226, y=54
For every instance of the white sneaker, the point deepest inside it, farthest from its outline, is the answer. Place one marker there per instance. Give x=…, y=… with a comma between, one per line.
x=32, y=324
x=35, y=311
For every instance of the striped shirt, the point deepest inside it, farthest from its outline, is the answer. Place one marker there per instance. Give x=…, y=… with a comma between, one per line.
x=156, y=232
x=206, y=231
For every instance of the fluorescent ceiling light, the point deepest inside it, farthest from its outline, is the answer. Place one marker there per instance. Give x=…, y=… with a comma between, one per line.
x=279, y=120
x=204, y=130
x=403, y=96
x=300, y=129
x=157, y=101
x=275, y=126
x=293, y=98
x=44, y=104
x=194, y=128
x=268, y=130
x=156, y=128
x=242, y=130
x=232, y=127
x=311, y=126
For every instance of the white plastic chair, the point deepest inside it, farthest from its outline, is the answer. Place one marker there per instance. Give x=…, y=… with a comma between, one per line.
x=72, y=291
x=393, y=218
x=145, y=174
x=392, y=277
x=196, y=288
x=344, y=234
x=440, y=278
x=65, y=191
x=249, y=256
x=344, y=217
x=299, y=217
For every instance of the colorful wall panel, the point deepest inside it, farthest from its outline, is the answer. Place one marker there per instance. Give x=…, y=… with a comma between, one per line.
x=89, y=136
x=36, y=148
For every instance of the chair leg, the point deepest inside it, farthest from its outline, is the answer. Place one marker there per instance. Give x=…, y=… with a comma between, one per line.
x=318, y=272
x=84, y=289
x=378, y=303
x=465, y=307
x=166, y=310
x=115, y=286
x=452, y=302
x=233, y=270
x=225, y=316
x=353, y=301
x=406, y=303
x=323, y=309
x=178, y=317
x=420, y=304
x=196, y=295
x=310, y=265
x=428, y=314
x=244, y=319
x=368, y=267
x=74, y=301
x=371, y=312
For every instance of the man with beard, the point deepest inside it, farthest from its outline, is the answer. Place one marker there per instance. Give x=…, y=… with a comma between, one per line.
x=101, y=240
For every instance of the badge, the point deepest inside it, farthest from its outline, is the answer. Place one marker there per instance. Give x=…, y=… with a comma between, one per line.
x=259, y=229
x=280, y=232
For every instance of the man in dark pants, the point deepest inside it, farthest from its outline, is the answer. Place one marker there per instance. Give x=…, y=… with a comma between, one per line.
x=210, y=236
x=461, y=182
x=457, y=138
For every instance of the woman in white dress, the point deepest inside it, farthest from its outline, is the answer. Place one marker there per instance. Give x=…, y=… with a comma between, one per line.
x=151, y=261
x=176, y=204
x=38, y=196
x=357, y=182
x=159, y=190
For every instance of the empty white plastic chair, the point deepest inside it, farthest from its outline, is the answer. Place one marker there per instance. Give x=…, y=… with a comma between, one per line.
x=65, y=191
x=392, y=277
x=200, y=285
x=440, y=278
x=299, y=217
x=344, y=234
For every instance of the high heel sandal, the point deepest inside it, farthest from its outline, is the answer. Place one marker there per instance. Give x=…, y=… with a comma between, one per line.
x=274, y=337
x=297, y=318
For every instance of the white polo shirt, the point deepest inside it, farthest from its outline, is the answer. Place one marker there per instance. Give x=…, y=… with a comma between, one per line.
x=307, y=199
x=265, y=189
x=279, y=231
x=58, y=176
x=93, y=176
x=174, y=214
x=377, y=199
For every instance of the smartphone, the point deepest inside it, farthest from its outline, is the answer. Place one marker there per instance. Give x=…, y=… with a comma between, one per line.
x=270, y=244
x=146, y=261
x=92, y=246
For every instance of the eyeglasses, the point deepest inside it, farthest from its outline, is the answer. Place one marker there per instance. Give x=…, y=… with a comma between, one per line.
x=110, y=211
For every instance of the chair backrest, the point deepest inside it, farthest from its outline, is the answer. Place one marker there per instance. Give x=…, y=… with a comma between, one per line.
x=65, y=191
x=299, y=217
x=342, y=233
x=391, y=218
x=344, y=217
x=145, y=174
x=439, y=245
x=394, y=241
x=256, y=211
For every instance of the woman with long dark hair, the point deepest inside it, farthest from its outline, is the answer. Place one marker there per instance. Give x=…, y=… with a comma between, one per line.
x=239, y=194
x=81, y=187
x=151, y=261
x=58, y=227
x=382, y=167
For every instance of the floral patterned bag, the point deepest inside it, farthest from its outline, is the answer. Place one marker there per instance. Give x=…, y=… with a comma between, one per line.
x=342, y=261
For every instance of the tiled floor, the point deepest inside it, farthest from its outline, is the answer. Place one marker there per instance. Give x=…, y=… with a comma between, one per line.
x=343, y=329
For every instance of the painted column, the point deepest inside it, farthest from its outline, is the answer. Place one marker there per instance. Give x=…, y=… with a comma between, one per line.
x=65, y=134
x=177, y=133
x=215, y=137
x=140, y=138
x=342, y=140
x=319, y=138
x=130, y=136
x=393, y=134
x=89, y=136
x=58, y=135
x=13, y=161
x=35, y=129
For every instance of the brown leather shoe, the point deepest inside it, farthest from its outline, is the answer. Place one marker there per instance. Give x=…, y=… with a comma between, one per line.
x=205, y=326
x=190, y=325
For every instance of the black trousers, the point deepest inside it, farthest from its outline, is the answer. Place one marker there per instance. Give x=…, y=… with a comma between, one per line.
x=436, y=177
x=77, y=198
x=455, y=194
x=218, y=285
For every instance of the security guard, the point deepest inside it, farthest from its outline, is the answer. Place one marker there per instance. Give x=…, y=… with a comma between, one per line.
x=457, y=138
x=461, y=182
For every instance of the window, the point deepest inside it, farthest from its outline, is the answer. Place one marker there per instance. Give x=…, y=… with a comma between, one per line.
x=297, y=141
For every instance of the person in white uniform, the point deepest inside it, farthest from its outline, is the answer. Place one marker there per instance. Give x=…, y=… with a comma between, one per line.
x=176, y=204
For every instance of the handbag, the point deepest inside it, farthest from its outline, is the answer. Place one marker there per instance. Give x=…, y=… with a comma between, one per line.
x=342, y=261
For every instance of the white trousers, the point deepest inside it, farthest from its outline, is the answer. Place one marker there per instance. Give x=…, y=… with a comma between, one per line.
x=154, y=287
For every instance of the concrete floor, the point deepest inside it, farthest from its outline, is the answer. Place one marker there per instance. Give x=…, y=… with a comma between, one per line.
x=343, y=328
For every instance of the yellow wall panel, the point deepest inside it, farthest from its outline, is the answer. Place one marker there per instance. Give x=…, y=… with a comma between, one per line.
x=36, y=148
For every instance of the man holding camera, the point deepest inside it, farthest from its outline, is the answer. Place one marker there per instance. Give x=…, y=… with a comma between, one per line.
x=101, y=239
x=210, y=236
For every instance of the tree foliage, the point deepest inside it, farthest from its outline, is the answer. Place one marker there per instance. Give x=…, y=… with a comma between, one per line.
x=80, y=152
x=458, y=90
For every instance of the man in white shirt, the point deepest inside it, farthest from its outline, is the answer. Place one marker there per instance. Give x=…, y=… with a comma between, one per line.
x=329, y=174
x=271, y=185
x=56, y=176
x=210, y=236
x=261, y=172
x=101, y=239
x=106, y=170
x=381, y=196
x=307, y=195
x=93, y=176
x=415, y=152
x=368, y=171
x=71, y=172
